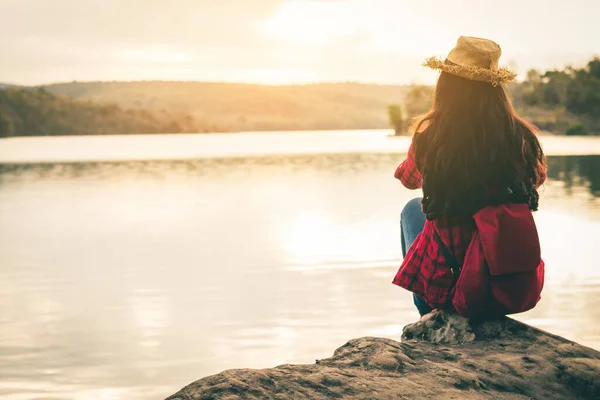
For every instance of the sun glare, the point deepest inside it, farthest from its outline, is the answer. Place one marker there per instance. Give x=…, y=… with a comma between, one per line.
x=157, y=55
x=317, y=23
x=306, y=33
x=309, y=22
x=277, y=76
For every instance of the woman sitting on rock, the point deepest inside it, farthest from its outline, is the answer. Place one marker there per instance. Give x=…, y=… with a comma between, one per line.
x=470, y=244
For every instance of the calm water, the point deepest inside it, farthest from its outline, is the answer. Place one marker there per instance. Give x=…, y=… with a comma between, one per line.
x=129, y=280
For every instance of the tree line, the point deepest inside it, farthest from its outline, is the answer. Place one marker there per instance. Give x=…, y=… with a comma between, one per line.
x=563, y=101
x=78, y=108
x=36, y=112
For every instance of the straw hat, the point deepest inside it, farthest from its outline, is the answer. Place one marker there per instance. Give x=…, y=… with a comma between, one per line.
x=476, y=59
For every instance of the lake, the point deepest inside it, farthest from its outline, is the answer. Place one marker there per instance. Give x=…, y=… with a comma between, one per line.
x=129, y=279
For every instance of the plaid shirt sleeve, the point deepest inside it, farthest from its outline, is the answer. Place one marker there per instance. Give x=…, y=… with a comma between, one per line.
x=408, y=173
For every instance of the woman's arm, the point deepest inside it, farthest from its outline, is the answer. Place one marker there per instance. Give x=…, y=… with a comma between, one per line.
x=408, y=173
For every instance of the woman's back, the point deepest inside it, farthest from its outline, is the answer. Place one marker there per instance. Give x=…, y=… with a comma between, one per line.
x=472, y=155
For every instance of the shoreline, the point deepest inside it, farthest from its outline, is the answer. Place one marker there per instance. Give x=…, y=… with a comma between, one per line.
x=120, y=148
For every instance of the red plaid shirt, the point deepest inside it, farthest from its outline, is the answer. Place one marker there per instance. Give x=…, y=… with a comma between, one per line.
x=424, y=257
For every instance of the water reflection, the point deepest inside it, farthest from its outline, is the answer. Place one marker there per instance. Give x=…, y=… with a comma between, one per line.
x=130, y=280
x=573, y=171
x=576, y=172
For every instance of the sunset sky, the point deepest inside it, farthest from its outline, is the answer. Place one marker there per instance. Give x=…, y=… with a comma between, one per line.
x=280, y=41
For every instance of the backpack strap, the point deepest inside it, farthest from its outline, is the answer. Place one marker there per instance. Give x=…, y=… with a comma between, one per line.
x=452, y=262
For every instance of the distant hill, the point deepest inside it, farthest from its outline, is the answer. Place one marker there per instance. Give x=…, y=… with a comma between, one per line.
x=561, y=101
x=37, y=112
x=249, y=107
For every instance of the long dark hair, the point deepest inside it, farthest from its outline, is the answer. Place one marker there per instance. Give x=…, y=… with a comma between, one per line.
x=474, y=150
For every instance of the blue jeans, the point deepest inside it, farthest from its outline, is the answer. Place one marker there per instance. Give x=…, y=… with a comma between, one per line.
x=412, y=221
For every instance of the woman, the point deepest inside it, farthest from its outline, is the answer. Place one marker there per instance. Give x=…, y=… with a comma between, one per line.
x=472, y=154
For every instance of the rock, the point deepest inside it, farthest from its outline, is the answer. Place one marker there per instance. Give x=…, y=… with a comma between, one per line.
x=442, y=356
x=447, y=328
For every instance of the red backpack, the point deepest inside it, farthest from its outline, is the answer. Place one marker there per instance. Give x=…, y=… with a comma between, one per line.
x=502, y=272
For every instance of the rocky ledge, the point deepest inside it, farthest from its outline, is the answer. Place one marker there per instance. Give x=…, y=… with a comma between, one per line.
x=443, y=356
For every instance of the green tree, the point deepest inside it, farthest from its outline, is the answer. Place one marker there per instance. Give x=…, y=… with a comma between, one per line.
x=396, y=119
x=583, y=94
x=554, y=88
x=566, y=100
x=531, y=88
x=576, y=130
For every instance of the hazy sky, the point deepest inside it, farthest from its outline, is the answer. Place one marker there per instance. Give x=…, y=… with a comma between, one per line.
x=275, y=41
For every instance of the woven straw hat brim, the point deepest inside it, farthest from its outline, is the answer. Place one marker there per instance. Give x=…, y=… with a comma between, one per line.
x=501, y=77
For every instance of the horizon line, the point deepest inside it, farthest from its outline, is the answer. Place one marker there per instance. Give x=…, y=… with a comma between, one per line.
x=217, y=82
